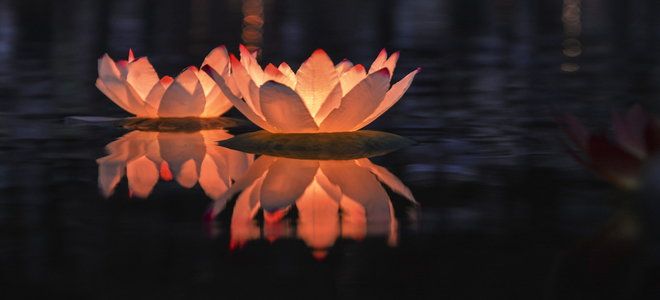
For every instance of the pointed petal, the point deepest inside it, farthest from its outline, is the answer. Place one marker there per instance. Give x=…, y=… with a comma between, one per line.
x=131, y=55
x=241, y=105
x=218, y=59
x=187, y=176
x=142, y=76
x=157, y=92
x=390, y=64
x=315, y=80
x=391, y=97
x=179, y=148
x=243, y=82
x=252, y=66
x=107, y=68
x=379, y=62
x=288, y=72
x=184, y=98
x=358, y=104
x=286, y=181
x=274, y=74
x=284, y=109
x=351, y=78
x=343, y=66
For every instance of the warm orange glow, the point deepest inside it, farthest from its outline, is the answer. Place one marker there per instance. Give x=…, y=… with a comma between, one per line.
x=134, y=85
x=189, y=158
x=319, y=97
x=343, y=198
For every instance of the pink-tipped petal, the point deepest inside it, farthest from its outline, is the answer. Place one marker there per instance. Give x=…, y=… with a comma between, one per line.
x=131, y=56
x=315, y=80
x=273, y=73
x=379, y=62
x=391, y=97
x=241, y=105
x=390, y=64
x=243, y=82
x=218, y=59
x=343, y=66
x=288, y=72
x=157, y=92
x=184, y=98
x=284, y=109
x=251, y=65
x=358, y=104
x=352, y=77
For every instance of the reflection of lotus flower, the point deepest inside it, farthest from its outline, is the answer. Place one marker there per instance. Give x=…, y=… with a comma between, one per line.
x=319, y=97
x=621, y=161
x=134, y=85
x=332, y=198
x=188, y=158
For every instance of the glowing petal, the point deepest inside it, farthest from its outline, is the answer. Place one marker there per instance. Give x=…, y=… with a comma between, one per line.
x=343, y=66
x=288, y=72
x=358, y=104
x=315, y=80
x=187, y=176
x=318, y=217
x=274, y=74
x=243, y=82
x=391, y=97
x=284, y=109
x=218, y=59
x=142, y=76
x=157, y=92
x=387, y=178
x=184, y=98
x=379, y=62
x=241, y=105
x=351, y=78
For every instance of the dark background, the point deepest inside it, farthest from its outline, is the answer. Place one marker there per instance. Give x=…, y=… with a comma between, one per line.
x=505, y=212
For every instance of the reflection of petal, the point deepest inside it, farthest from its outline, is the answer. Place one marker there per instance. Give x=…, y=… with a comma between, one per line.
x=177, y=148
x=286, y=181
x=387, y=178
x=142, y=175
x=360, y=185
x=210, y=180
x=187, y=176
x=353, y=219
x=318, y=223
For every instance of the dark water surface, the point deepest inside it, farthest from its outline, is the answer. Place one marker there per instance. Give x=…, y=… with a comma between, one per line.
x=503, y=211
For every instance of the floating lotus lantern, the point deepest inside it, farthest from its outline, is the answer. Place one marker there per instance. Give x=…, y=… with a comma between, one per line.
x=620, y=160
x=134, y=85
x=319, y=97
x=145, y=157
x=333, y=198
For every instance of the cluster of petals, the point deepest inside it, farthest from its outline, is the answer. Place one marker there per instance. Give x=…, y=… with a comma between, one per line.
x=319, y=97
x=134, y=85
x=147, y=157
x=332, y=198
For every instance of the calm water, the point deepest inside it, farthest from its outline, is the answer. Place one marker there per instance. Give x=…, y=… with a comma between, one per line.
x=503, y=211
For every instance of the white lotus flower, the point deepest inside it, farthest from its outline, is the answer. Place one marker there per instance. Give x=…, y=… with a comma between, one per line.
x=134, y=85
x=319, y=97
